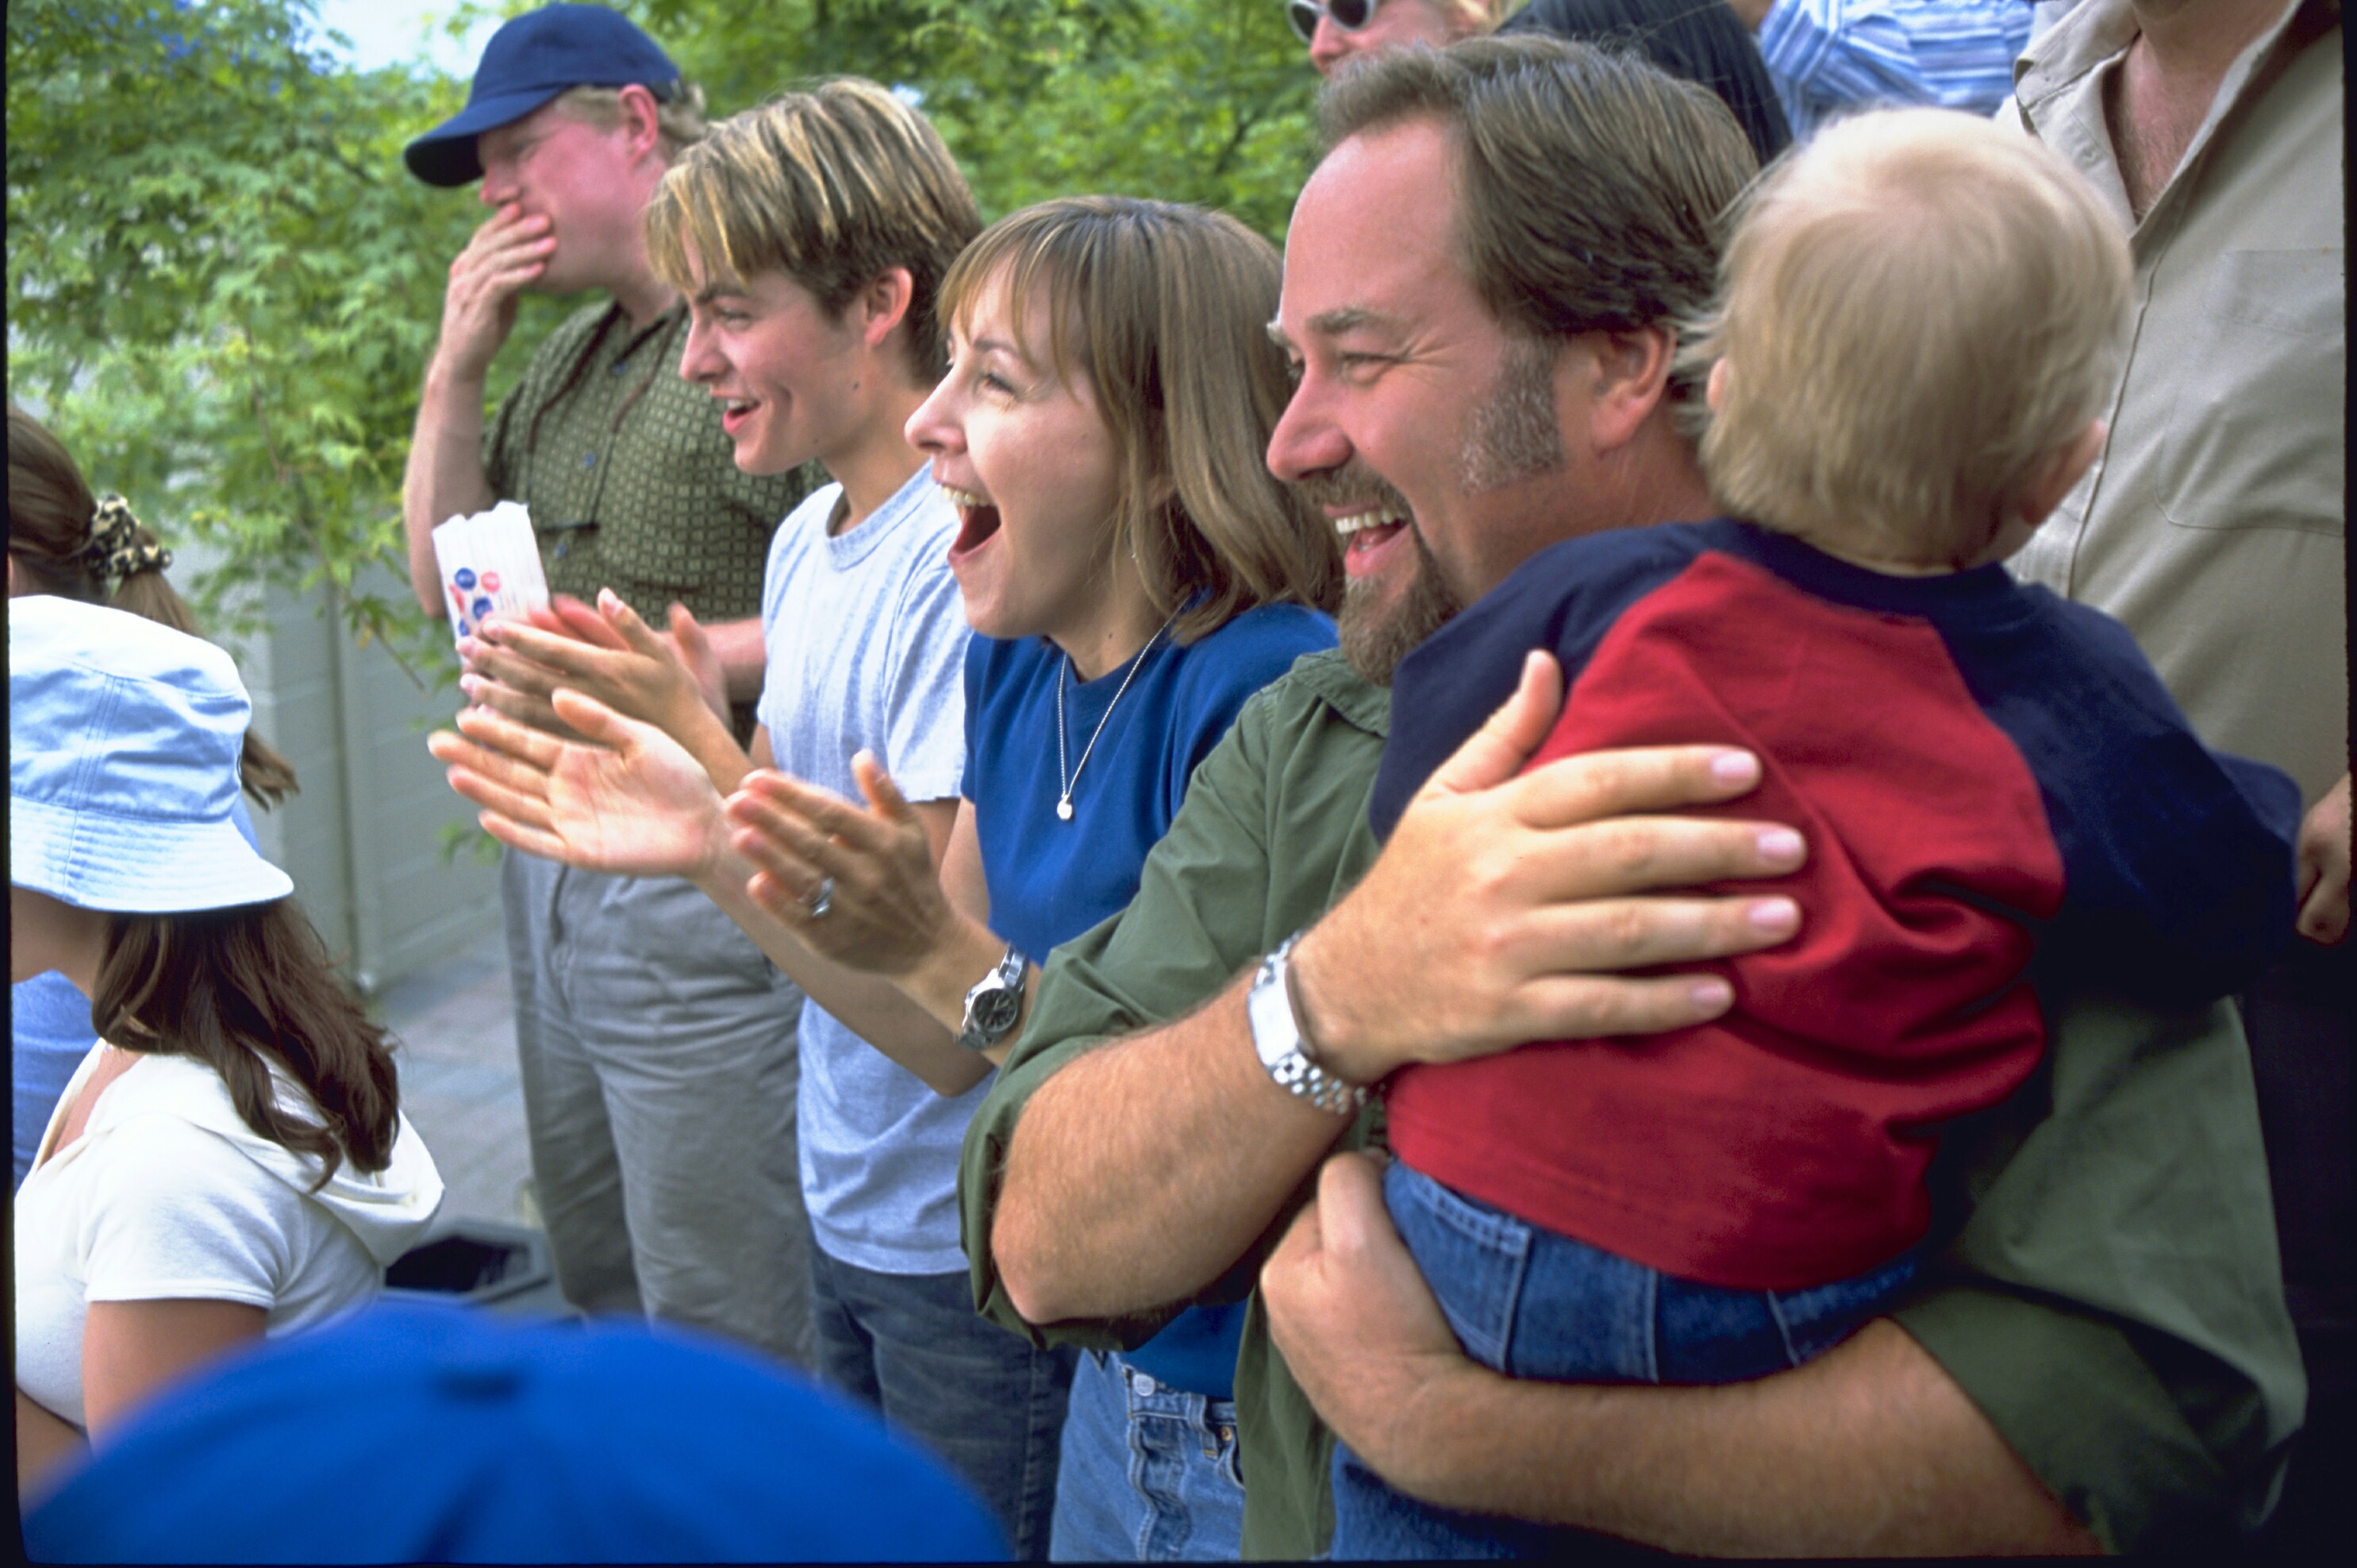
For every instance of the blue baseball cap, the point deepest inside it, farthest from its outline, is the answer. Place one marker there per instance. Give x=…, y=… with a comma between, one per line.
x=436, y=1433
x=529, y=61
x=124, y=738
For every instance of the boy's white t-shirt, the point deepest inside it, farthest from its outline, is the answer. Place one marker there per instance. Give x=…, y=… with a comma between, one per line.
x=867, y=639
x=168, y=1195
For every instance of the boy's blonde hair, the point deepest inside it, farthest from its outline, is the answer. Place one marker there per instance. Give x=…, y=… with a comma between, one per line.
x=835, y=186
x=1918, y=312
x=1164, y=310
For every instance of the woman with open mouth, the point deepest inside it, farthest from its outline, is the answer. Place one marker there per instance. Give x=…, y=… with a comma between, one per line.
x=1132, y=574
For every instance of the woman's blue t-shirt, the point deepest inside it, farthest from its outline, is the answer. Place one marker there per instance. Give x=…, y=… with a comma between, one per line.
x=1051, y=880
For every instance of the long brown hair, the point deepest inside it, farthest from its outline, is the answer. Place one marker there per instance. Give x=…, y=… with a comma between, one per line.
x=1164, y=309
x=50, y=510
x=241, y=990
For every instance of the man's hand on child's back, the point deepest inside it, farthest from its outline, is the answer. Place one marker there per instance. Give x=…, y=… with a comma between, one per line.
x=1508, y=906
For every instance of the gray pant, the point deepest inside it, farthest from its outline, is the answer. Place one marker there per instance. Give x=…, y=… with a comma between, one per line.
x=658, y=1056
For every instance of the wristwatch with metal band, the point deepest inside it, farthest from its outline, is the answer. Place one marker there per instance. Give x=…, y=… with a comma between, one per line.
x=996, y=1002
x=1278, y=1037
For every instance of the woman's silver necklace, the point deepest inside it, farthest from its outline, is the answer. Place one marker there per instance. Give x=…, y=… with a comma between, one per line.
x=1069, y=776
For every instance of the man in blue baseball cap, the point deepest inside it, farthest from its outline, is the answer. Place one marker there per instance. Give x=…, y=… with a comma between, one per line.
x=657, y=1046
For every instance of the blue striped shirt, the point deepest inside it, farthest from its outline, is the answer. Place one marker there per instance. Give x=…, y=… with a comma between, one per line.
x=1829, y=57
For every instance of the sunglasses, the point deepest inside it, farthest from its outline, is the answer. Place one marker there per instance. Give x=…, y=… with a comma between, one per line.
x=1348, y=14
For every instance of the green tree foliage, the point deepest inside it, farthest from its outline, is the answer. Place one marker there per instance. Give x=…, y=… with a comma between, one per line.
x=1201, y=101
x=218, y=293
x=223, y=285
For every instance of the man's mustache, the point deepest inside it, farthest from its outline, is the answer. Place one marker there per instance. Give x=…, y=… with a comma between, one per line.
x=1351, y=485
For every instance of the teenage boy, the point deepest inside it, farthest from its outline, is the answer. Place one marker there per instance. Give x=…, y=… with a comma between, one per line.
x=811, y=237
x=659, y=1077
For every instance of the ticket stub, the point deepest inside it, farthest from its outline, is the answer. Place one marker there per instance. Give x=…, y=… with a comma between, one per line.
x=490, y=566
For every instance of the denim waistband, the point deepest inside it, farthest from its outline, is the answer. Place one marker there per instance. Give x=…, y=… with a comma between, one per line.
x=1150, y=1393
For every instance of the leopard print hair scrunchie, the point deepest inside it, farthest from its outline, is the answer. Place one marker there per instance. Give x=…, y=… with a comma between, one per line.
x=115, y=549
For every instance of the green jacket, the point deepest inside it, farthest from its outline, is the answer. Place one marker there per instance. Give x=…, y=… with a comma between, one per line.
x=2108, y=1293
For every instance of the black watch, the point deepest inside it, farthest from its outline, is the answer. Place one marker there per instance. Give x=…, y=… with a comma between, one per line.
x=995, y=1003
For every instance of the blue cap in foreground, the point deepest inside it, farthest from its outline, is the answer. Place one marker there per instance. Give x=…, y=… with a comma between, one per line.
x=439, y=1433
x=529, y=61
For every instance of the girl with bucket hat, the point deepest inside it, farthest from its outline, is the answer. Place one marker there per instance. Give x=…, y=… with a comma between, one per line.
x=63, y=539
x=229, y=1161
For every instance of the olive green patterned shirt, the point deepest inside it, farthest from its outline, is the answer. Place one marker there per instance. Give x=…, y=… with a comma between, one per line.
x=630, y=480
x=2104, y=1283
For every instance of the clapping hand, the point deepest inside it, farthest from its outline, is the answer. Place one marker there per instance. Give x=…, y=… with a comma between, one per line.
x=515, y=667
x=631, y=801
x=885, y=909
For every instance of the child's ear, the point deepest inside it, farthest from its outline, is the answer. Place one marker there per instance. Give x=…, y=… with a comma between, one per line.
x=2063, y=469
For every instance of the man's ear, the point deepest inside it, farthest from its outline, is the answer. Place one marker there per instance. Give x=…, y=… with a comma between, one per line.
x=642, y=123
x=1628, y=373
x=883, y=304
x=1470, y=18
x=2052, y=482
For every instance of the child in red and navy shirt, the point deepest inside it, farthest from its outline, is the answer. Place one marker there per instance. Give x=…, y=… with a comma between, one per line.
x=1920, y=318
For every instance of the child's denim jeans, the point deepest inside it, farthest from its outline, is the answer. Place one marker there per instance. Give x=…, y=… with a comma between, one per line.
x=1530, y=1304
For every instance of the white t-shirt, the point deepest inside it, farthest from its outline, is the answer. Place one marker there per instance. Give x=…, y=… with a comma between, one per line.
x=170, y=1195
x=867, y=649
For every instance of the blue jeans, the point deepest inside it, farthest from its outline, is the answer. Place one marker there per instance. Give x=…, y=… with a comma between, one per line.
x=913, y=1346
x=1530, y=1304
x=1149, y=1472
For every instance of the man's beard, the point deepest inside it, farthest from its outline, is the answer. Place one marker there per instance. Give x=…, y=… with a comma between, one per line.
x=1372, y=641
x=1375, y=641
x=1512, y=434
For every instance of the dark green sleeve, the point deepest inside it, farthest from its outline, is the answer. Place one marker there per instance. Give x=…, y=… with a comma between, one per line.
x=2115, y=1301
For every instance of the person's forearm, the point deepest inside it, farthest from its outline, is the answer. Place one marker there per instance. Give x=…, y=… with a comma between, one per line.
x=1870, y=1450
x=1143, y=1171
x=44, y=1441
x=743, y=657
x=709, y=741
x=966, y=952
x=869, y=1005
x=444, y=475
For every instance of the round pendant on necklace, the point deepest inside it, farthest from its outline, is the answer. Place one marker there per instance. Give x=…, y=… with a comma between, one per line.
x=1064, y=809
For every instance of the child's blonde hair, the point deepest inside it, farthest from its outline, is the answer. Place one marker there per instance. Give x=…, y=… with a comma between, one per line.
x=1918, y=312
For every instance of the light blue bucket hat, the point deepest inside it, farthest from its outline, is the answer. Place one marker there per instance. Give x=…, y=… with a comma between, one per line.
x=122, y=750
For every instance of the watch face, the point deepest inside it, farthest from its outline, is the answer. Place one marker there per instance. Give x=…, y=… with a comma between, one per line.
x=995, y=1011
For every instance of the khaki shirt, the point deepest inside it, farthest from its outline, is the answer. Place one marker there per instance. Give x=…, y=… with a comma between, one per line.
x=2214, y=524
